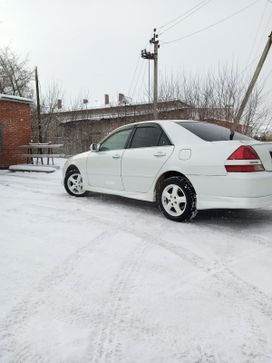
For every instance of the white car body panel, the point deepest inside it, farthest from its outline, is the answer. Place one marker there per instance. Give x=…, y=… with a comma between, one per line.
x=141, y=166
x=109, y=176
x=136, y=172
x=233, y=191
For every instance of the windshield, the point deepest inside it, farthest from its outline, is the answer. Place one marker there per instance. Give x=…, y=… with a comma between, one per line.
x=211, y=132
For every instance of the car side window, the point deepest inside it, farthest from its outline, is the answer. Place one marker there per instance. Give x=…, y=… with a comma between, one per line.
x=116, y=141
x=145, y=137
x=164, y=140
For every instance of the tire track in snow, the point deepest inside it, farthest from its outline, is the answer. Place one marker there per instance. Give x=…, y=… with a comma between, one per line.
x=221, y=274
x=239, y=293
x=259, y=299
x=252, y=238
x=213, y=268
x=263, y=300
x=26, y=308
x=107, y=345
x=256, y=297
x=239, y=290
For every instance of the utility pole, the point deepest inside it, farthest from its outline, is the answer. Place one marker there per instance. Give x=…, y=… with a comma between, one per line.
x=252, y=84
x=148, y=81
x=153, y=56
x=155, y=42
x=38, y=105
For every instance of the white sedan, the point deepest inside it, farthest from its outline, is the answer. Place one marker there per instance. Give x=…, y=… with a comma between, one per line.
x=183, y=165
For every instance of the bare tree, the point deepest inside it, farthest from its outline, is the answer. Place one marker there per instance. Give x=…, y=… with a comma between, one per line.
x=50, y=106
x=78, y=103
x=218, y=94
x=52, y=109
x=15, y=75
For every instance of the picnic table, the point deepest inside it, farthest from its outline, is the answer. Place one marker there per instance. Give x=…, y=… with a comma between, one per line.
x=41, y=151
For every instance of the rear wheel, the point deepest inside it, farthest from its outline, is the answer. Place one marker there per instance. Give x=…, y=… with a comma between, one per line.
x=73, y=183
x=177, y=199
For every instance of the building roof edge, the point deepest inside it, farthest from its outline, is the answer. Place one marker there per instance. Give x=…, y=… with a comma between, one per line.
x=10, y=98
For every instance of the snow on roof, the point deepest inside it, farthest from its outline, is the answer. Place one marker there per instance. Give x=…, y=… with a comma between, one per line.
x=105, y=116
x=15, y=99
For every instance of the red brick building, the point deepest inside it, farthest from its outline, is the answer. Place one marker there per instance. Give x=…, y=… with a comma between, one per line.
x=15, y=128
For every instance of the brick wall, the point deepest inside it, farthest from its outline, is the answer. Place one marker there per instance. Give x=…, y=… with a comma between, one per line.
x=15, y=130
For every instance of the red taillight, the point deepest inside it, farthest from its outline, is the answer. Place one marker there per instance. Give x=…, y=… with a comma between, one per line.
x=244, y=153
x=244, y=160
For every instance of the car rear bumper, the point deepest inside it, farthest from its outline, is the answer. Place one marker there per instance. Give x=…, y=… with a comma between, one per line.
x=208, y=202
x=234, y=190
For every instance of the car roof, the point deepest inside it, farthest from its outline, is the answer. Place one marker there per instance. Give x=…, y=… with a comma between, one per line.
x=175, y=133
x=160, y=122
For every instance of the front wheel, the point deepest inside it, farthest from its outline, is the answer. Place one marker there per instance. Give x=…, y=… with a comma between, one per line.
x=73, y=183
x=177, y=199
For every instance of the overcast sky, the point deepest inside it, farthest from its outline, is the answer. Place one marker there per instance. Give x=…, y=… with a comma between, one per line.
x=93, y=46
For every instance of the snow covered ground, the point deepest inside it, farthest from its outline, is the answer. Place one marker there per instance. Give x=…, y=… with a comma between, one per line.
x=105, y=279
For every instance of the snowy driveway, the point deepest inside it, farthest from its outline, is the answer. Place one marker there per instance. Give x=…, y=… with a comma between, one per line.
x=105, y=279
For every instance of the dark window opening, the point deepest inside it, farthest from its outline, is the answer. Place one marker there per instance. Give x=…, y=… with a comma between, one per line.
x=164, y=141
x=211, y=132
x=146, y=137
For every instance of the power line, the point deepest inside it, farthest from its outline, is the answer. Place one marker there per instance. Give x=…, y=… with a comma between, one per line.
x=187, y=14
x=181, y=15
x=142, y=87
x=132, y=83
x=257, y=31
x=268, y=23
x=134, y=75
x=135, y=88
x=214, y=24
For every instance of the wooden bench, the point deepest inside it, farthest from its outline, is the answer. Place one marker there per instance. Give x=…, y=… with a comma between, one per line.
x=44, y=155
x=41, y=151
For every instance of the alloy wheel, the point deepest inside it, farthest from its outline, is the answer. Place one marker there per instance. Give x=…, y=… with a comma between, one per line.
x=75, y=184
x=173, y=200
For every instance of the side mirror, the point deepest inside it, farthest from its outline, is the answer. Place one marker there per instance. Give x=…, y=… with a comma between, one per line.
x=94, y=147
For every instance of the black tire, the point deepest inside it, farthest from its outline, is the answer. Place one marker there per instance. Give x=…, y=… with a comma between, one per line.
x=176, y=199
x=75, y=190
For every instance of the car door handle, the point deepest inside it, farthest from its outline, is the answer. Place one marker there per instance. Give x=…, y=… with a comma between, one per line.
x=116, y=156
x=159, y=154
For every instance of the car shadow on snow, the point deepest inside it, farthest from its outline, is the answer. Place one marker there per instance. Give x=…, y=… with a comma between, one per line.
x=233, y=218
x=117, y=201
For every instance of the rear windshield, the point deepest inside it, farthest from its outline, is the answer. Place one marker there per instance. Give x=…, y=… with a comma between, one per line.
x=210, y=132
